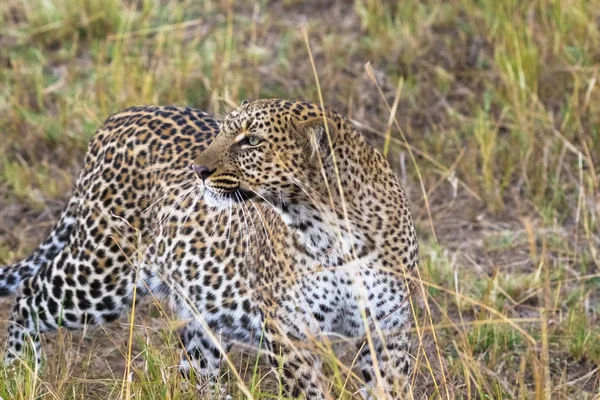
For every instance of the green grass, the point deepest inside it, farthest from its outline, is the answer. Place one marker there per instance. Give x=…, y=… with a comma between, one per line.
x=500, y=106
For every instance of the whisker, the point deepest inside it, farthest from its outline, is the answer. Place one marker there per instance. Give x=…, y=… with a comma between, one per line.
x=262, y=197
x=300, y=185
x=306, y=185
x=166, y=195
x=238, y=195
x=319, y=207
x=239, y=224
x=179, y=220
x=157, y=230
x=217, y=221
x=263, y=224
x=192, y=209
x=249, y=231
x=250, y=218
x=229, y=222
x=177, y=203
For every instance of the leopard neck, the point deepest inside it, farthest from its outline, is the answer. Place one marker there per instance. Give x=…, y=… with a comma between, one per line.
x=342, y=218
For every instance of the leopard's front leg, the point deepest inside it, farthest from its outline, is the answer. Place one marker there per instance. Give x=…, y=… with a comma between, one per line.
x=393, y=365
x=296, y=365
x=202, y=357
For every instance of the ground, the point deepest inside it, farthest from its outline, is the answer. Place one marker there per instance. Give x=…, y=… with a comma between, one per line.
x=495, y=134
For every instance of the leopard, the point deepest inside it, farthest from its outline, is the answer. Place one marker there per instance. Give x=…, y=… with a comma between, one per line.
x=278, y=225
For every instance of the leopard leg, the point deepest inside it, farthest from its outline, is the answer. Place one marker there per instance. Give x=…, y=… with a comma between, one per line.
x=22, y=335
x=202, y=356
x=11, y=276
x=393, y=362
x=71, y=292
x=297, y=367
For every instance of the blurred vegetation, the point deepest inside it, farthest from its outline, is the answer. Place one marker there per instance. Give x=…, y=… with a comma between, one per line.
x=499, y=103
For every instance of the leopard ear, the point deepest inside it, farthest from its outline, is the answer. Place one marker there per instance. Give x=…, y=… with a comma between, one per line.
x=319, y=133
x=244, y=102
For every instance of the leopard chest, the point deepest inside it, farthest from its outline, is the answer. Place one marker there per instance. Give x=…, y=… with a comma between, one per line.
x=345, y=300
x=204, y=259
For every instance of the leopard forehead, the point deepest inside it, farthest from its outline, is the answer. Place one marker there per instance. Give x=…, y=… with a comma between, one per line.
x=270, y=113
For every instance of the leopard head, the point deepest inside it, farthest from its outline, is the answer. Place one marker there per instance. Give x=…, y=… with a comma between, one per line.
x=267, y=150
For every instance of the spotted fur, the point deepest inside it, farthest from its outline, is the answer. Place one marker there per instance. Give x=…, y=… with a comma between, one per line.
x=279, y=224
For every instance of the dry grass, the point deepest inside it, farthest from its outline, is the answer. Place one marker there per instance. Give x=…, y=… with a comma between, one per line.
x=499, y=104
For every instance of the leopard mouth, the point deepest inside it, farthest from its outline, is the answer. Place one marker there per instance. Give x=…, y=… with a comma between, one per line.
x=226, y=197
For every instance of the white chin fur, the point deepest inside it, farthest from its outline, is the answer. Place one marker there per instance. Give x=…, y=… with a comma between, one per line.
x=213, y=200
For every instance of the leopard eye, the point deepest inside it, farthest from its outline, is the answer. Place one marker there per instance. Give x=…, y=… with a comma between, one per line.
x=250, y=141
x=253, y=140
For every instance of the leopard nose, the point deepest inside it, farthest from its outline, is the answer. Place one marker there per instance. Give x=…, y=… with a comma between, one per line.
x=203, y=171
